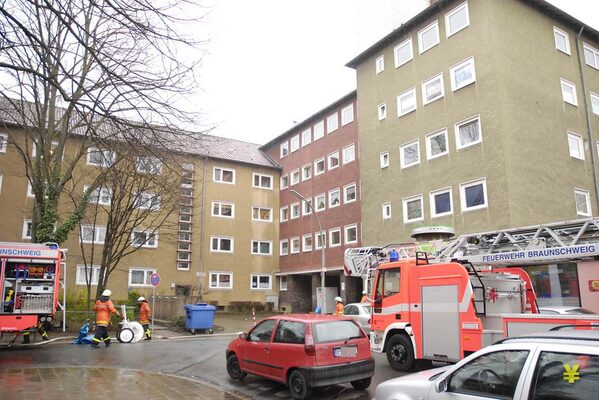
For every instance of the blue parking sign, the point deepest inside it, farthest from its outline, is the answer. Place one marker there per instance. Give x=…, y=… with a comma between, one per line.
x=155, y=279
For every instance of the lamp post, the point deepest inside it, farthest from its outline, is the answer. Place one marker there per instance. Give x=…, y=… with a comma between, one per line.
x=320, y=232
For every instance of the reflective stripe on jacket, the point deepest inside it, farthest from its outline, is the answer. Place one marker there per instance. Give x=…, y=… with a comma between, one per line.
x=144, y=312
x=103, y=310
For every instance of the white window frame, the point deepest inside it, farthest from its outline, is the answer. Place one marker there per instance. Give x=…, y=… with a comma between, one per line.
x=458, y=142
x=258, y=276
x=320, y=240
x=384, y=159
x=333, y=122
x=464, y=186
x=80, y=275
x=306, y=209
x=402, y=156
x=587, y=198
x=99, y=231
x=332, y=193
x=148, y=165
x=386, y=211
x=284, y=181
x=294, y=177
x=570, y=85
x=379, y=64
x=151, y=241
x=432, y=196
x=345, y=191
x=147, y=274
x=219, y=244
x=346, y=229
x=434, y=25
x=558, y=32
x=307, y=247
x=261, y=178
x=331, y=242
x=347, y=114
x=292, y=249
x=594, y=52
x=306, y=172
x=346, y=156
x=147, y=201
x=283, y=283
x=332, y=156
x=448, y=31
x=294, y=143
x=282, y=250
x=292, y=208
x=97, y=196
x=318, y=131
x=408, y=43
x=3, y=142
x=222, y=170
x=27, y=227
x=403, y=97
x=467, y=62
x=306, y=137
x=108, y=157
x=284, y=214
x=595, y=103
x=259, y=243
x=218, y=275
x=259, y=209
x=284, y=149
x=220, y=205
x=382, y=111
x=316, y=162
x=410, y=199
x=429, y=148
x=425, y=99
x=324, y=202
x=579, y=144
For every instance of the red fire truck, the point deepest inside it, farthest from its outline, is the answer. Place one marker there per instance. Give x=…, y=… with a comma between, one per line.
x=29, y=284
x=446, y=307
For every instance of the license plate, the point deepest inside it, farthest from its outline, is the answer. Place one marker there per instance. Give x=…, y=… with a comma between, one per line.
x=345, y=351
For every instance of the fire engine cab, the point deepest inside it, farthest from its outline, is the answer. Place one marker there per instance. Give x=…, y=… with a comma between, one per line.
x=458, y=297
x=29, y=284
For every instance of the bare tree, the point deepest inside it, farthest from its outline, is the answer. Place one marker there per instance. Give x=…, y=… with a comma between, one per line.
x=96, y=70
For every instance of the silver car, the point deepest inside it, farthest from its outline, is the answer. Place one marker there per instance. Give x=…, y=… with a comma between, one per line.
x=550, y=365
x=359, y=312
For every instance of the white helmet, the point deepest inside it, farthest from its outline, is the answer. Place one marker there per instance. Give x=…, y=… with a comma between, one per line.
x=338, y=299
x=364, y=292
x=107, y=293
x=141, y=299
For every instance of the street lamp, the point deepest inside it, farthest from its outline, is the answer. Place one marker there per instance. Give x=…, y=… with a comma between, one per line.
x=322, y=270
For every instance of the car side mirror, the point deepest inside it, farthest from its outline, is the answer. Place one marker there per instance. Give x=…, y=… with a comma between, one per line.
x=441, y=386
x=243, y=336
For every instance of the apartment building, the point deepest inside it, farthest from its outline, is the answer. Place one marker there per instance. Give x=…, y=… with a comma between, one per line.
x=319, y=204
x=480, y=115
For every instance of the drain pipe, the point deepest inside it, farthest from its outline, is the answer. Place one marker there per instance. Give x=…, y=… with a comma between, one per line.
x=588, y=115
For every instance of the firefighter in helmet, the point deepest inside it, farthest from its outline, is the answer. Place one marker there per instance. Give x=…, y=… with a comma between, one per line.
x=364, y=298
x=339, y=306
x=103, y=309
x=144, y=316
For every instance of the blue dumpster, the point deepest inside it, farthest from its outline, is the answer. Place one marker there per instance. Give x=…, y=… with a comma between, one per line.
x=199, y=317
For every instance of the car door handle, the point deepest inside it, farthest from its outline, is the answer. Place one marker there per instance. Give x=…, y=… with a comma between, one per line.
x=267, y=350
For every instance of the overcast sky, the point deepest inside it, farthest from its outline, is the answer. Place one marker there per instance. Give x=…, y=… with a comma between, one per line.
x=273, y=62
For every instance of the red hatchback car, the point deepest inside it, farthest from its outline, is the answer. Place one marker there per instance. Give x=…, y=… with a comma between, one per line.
x=303, y=351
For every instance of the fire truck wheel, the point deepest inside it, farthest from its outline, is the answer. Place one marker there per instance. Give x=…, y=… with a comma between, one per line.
x=125, y=335
x=400, y=353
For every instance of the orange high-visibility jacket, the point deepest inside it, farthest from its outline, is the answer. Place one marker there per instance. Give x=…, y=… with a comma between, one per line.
x=103, y=310
x=339, y=309
x=144, y=312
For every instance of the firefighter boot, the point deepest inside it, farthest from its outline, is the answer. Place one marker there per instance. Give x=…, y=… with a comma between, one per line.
x=107, y=342
x=148, y=335
x=45, y=335
x=95, y=343
x=26, y=339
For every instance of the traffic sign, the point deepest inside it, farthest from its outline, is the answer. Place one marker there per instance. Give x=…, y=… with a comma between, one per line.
x=155, y=279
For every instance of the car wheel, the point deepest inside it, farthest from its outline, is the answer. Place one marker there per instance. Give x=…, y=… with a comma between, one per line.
x=298, y=386
x=400, y=353
x=125, y=335
x=234, y=369
x=361, y=384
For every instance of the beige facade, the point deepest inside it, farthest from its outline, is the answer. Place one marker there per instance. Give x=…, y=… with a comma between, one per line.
x=465, y=104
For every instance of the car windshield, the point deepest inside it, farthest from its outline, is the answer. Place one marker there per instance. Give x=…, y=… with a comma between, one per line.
x=368, y=309
x=335, y=331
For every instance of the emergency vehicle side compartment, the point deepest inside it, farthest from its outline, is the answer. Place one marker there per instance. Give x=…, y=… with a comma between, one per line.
x=440, y=322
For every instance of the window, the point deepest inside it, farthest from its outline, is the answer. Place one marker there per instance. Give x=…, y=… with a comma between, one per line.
x=403, y=53
x=436, y=144
x=183, y=266
x=262, y=181
x=284, y=149
x=351, y=234
x=462, y=74
x=386, y=210
x=382, y=111
x=95, y=234
x=284, y=247
x=575, y=143
x=347, y=115
x=333, y=160
x=318, y=130
x=319, y=166
x=441, y=203
x=583, y=202
x=335, y=237
x=184, y=236
x=468, y=133
x=562, y=42
x=262, y=332
x=349, y=154
x=222, y=209
x=284, y=182
x=569, y=92
x=1, y=180
x=294, y=177
x=224, y=175
x=591, y=56
x=262, y=247
x=295, y=210
x=290, y=332
x=3, y=142
x=473, y=195
x=379, y=64
x=101, y=196
x=433, y=89
x=412, y=209
x=149, y=165
x=428, y=37
x=147, y=201
x=457, y=19
x=144, y=239
x=261, y=282
x=221, y=280
x=384, y=159
x=410, y=154
x=334, y=198
x=406, y=102
x=493, y=375
x=53, y=147
x=349, y=193
x=27, y=229
x=295, y=143
x=321, y=240
x=221, y=244
x=140, y=276
x=284, y=213
x=307, y=207
x=595, y=103
x=282, y=283
x=306, y=137
x=332, y=123
x=320, y=202
x=100, y=158
x=307, y=243
x=306, y=172
x=262, y=214
x=295, y=245
x=87, y=274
